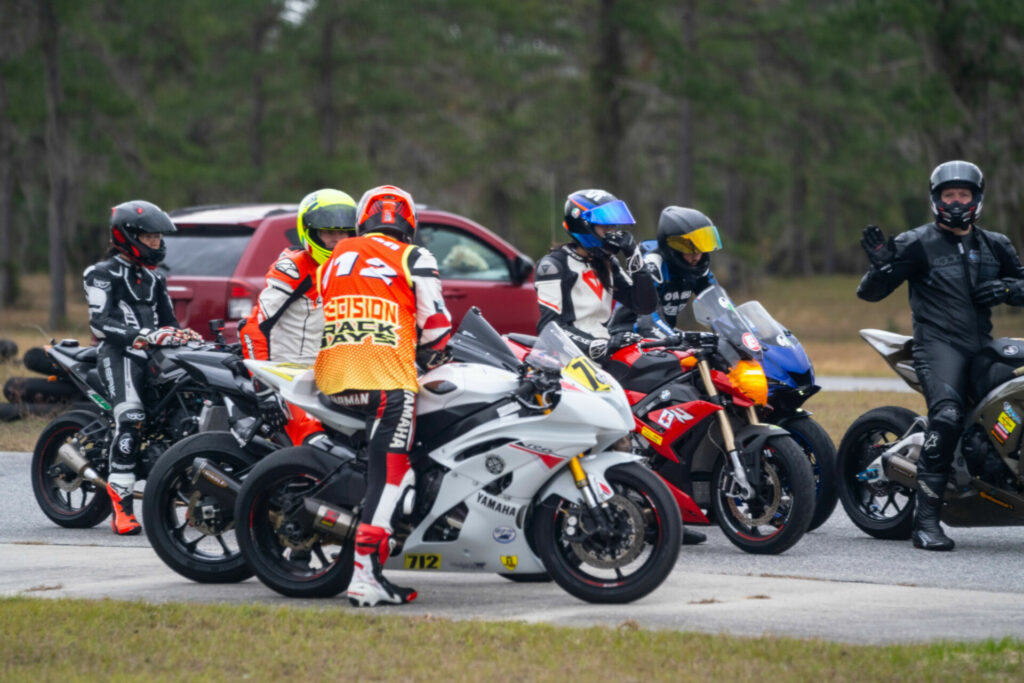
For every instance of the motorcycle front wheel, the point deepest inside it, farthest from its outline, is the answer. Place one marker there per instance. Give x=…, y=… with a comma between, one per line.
x=780, y=512
x=287, y=555
x=63, y=496
x=881, y=509
x=624, y=563
x=193, y=533
x=821, y=453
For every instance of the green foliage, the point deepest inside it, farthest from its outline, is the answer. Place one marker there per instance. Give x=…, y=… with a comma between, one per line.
x=810, y=119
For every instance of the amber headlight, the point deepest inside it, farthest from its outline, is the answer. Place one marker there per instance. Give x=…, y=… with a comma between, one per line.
x=749, y=377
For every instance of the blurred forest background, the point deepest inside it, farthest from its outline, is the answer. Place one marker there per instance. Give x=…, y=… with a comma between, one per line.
x=791, y=123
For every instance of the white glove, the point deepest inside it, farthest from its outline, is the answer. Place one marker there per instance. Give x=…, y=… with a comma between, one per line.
x=163, y=336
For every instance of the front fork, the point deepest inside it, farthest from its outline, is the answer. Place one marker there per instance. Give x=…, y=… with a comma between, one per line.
x=740, y=484
x=598, y=509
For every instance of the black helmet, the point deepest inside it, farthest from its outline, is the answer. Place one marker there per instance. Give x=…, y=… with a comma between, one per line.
x=587, y=208
x=957, y=174
x=131, y=219
x=686, y=231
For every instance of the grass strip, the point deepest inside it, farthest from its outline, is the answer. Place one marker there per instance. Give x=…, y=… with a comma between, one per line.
x=64, y=639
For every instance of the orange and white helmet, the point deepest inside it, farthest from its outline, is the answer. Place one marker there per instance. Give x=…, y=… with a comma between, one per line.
x=387, y=209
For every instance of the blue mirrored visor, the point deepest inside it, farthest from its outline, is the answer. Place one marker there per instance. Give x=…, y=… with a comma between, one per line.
x=612, y=213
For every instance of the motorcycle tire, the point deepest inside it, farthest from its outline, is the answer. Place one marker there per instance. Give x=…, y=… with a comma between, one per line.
x=199, y=547
x=821, y=453
x=67, y=499
x=584, y=569
x=308, y=568
x=784, y=520
x=893, y=520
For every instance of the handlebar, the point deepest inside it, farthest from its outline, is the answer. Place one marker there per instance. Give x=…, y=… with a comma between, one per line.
x=689, y=340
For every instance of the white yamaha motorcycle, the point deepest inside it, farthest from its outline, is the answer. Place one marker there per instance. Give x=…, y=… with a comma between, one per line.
x=514, y=476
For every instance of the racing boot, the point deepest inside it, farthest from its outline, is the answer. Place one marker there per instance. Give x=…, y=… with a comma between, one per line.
x=691, y=537
x=119, y=488
x=928, y=533
x=368, y=587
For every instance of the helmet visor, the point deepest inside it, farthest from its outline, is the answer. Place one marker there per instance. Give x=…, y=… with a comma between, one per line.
x=336, y=217
x=612, y=213
x=699, y=241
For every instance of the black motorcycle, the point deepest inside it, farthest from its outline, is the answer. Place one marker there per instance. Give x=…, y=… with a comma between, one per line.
x=70, y=459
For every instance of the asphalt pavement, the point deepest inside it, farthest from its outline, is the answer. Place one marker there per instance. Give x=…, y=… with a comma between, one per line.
x=836, y=583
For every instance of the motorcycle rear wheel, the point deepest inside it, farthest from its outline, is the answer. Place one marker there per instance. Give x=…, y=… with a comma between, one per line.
x=300, y=564
x=821, y=453
x=67, y=499
x=781, y=512
x=884, y=511
x=647, y=542
x=203, y=550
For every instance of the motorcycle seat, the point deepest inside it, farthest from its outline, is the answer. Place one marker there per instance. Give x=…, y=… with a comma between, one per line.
x=523, y=339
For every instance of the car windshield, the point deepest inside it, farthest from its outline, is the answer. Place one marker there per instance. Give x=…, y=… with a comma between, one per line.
x=205, y=250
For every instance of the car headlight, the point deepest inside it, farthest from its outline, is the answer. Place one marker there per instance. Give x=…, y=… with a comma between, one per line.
x=748, y=377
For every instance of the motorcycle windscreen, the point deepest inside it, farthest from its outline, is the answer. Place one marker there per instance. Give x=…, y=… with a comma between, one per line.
x=781, y=347
x=713, y=308
x=476, y=341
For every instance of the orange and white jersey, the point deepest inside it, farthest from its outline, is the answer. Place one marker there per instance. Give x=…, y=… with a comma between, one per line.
x=381, y=301
x=286, y=323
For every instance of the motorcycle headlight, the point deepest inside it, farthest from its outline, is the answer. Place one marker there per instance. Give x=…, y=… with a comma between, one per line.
x=748, y=377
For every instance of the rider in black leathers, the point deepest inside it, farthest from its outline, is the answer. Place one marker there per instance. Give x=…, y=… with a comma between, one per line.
x=129, y=310
x=956, y=272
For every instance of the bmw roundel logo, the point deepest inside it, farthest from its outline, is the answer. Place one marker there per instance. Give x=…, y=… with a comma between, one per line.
x=494, y=464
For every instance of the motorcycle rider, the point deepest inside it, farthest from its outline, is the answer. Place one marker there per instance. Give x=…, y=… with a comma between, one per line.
x=578, y=282
x=680, y=260
x=383, y=313
x=129, y=311
x=956, y=273
x=287, y=321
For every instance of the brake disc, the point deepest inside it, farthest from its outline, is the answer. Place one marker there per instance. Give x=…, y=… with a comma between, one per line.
x=277, y=521
x=769, y=509
x=212, y=526
x=593, y=550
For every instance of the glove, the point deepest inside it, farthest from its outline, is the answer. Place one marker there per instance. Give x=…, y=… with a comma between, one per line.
x=188, y=334
x=879, y=250
x=991, y=293
x=431, y=358
x=163, y=336
x=602, y=349
x=617, y=241
x=269, y=407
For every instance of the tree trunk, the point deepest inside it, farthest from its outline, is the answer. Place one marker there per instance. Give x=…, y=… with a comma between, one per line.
x=327, y=109
x=8, y=287
x=57, y=161
x=800, y=256
x=606, y=75
x=684, y=181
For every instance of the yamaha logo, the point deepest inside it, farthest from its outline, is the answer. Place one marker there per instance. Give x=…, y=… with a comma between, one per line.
x=494, y=464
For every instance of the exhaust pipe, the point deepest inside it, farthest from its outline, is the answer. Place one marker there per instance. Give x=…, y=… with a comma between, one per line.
x=211, y=481
x=900, y=470
x=69, y=456
x=331, y=520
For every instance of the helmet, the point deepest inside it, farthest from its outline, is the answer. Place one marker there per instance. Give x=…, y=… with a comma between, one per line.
x=387, y=209
x=324, y=210
x=957, y=174
x=134, y=218
x=686, y=231
x=586, y=208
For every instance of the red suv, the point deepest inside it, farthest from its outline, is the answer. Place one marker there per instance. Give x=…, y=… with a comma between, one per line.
x=217, y=261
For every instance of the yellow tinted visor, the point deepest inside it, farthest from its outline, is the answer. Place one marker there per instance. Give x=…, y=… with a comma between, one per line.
x=699, y=241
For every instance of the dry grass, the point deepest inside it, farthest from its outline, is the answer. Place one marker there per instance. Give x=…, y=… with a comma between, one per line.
x=67, y=639
x=836, y=410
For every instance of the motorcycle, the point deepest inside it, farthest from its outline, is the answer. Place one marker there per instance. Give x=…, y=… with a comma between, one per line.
x=70, y=459
x=790, y=376
x=513, y=475
x=878, y=455
x=190, y=493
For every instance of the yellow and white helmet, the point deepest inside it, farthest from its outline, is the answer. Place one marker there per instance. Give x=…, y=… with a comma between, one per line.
x=324, y=209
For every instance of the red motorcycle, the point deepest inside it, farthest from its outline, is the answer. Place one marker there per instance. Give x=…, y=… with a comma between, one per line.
x=694, y=398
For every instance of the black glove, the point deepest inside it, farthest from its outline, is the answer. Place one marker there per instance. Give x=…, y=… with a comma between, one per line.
x=991, y=293
x=880, y=251
x=269, y=407
x=602, y=349
x=616, y=241
x=429, y=359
